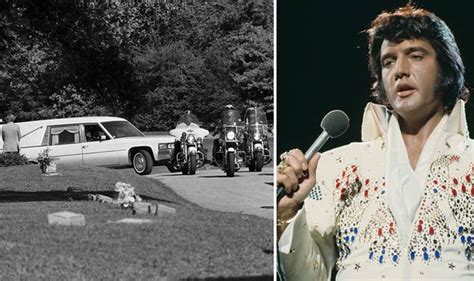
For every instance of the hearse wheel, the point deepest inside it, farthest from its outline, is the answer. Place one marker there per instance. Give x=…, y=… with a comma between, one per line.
x=142, y=162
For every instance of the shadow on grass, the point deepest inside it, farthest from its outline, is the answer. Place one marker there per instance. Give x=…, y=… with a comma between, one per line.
x=179, y=174
x=172, y=175
x=220, y=176
x=246, y=278
x=59, y=195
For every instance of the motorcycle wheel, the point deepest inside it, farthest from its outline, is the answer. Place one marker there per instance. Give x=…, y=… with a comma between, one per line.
x=251, y=166
x=258, y=161
x=173, y=168
x=192, y=164
x=230, y=164
x=185, y=169
x=142, y=162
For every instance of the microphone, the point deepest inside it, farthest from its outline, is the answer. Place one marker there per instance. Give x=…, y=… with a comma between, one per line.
x=334, y=124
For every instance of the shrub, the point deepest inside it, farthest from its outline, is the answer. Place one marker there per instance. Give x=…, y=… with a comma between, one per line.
x=12, y=159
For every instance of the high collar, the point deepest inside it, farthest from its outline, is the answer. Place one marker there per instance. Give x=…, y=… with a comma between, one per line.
x=376, y=117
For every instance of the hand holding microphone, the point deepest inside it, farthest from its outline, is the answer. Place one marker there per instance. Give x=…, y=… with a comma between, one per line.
x=296, y=172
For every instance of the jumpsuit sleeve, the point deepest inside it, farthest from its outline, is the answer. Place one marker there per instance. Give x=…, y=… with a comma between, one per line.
x=306, y=247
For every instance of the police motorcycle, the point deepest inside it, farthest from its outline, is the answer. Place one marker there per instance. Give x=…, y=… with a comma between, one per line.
x=256, y=148
x=188, y=153
x=226, y=150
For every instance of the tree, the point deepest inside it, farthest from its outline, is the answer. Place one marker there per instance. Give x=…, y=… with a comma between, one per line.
x=145, y=61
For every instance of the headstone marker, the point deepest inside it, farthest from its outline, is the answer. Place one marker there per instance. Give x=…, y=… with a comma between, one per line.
x=165, y=210
x=134, y=220
x=66, y=218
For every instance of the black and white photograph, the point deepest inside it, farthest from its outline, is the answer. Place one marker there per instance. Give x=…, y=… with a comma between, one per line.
x=137, y=140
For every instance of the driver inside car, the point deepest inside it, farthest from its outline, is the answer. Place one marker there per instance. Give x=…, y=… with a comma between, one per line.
x=93, y=133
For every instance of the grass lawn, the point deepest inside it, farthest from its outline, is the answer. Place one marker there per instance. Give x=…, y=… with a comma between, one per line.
x=194, y=244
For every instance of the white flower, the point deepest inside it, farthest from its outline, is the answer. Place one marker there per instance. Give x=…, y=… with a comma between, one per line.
x=127, y=194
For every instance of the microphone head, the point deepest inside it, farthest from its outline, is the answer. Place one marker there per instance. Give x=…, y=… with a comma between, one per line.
x=335, y=123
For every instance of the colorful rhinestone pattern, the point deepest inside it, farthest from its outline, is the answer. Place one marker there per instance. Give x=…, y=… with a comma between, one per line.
x=315, y=193
x=432, y=231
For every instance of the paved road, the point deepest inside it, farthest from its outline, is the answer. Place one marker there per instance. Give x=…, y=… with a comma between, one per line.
x=246, y=192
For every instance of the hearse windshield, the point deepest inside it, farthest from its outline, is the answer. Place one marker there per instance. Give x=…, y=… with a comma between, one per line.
x=122, y=129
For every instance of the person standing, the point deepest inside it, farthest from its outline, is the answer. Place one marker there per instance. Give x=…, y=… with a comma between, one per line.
x=11, y=135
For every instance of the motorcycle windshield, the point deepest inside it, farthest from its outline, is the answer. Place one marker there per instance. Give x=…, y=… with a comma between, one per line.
x=256, y=128
x=188, y=118
x=231, y=117
x=188, y=123
x=255, y=116
x=192, y=129
x=255, y=120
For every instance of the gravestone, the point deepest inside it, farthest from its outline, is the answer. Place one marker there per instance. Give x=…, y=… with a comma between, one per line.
x=134, y=220
x=154, y=209
x=165, y=210
x=66, y=218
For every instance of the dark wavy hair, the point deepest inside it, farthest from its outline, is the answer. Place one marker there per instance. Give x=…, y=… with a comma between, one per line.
x=410, y=22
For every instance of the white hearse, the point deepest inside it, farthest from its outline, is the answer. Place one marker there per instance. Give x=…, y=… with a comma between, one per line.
x=97, y=141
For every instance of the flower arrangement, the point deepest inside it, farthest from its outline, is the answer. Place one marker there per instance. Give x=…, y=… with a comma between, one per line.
x=127, y=195
x=45, y=159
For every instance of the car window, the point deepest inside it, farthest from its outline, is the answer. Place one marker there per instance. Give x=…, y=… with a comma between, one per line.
x=94, y=132
x=121, y=129
x=64, y=134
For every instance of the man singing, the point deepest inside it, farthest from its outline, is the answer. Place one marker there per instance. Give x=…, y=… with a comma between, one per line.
x=400, y=204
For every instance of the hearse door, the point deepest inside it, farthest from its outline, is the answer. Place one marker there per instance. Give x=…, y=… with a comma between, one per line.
x=98, y=149
x=64, y=143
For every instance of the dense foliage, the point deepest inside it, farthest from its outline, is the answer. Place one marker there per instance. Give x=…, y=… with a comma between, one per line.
x=12, y=159
x=145, y=61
